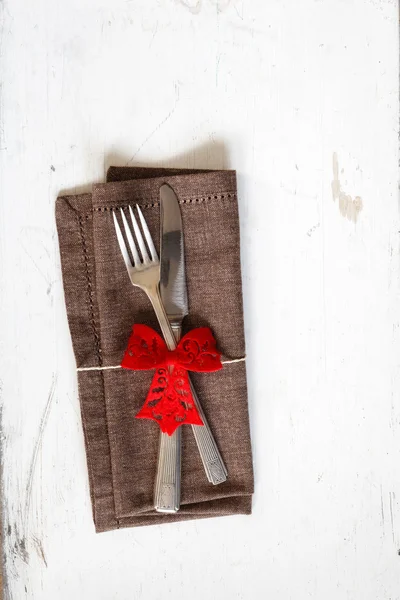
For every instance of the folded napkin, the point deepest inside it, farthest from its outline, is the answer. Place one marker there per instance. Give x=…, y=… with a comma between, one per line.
x=102, y=306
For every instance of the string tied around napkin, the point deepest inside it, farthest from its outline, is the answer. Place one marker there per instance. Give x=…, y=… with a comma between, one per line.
x=169, y=401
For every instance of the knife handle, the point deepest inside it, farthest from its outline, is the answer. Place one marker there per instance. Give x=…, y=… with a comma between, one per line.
x=212, y=460
x=213, y=464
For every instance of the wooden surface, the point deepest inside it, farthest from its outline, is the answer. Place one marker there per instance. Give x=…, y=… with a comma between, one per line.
x=301, y=97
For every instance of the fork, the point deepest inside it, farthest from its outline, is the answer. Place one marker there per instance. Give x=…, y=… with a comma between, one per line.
x=145, y=274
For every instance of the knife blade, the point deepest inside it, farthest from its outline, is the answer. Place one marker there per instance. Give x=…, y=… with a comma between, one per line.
x=172, y=277
x=174, y=296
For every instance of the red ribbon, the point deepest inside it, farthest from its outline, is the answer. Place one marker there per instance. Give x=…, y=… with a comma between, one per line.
x=170, y=401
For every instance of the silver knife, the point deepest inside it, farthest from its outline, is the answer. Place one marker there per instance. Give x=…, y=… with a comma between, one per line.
x=174, y=297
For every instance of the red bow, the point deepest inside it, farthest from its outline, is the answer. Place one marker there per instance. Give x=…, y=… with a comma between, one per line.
x=170, y=401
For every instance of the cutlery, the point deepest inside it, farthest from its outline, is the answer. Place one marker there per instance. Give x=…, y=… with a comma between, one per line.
x=174, y=298
x=144, y=272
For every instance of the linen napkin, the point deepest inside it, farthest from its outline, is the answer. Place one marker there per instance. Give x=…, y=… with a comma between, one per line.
x=102, y=306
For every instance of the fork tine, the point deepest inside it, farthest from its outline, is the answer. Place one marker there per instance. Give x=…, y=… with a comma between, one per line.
x=121, y=242
x=139, y=237
x=131, y=241
x=147, y=234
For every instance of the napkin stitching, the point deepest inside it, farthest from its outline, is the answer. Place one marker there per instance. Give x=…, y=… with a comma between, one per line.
x=200, y=200
x=98, y=352
x=86, y=263
x=89, y=289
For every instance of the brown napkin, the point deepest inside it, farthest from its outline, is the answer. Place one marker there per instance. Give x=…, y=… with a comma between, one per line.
x=102, y=306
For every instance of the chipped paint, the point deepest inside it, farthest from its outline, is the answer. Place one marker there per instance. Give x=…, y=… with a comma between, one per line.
x=349, y=207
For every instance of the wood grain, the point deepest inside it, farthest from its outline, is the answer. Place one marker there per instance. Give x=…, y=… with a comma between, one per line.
x=302, y=99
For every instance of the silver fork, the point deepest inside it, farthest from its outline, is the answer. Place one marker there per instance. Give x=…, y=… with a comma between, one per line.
x=145, y=274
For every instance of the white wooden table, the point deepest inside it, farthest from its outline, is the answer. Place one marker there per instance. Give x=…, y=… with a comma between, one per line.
x=301, y=97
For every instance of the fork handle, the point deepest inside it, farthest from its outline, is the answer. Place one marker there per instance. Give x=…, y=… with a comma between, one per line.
x=167, y=488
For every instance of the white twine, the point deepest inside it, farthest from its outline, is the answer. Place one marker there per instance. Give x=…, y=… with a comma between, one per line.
x=224, y=362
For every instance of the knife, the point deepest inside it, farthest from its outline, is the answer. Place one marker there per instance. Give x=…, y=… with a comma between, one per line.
x=174, y=297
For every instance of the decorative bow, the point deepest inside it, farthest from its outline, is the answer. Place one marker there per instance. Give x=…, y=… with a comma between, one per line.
x=169, y=400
